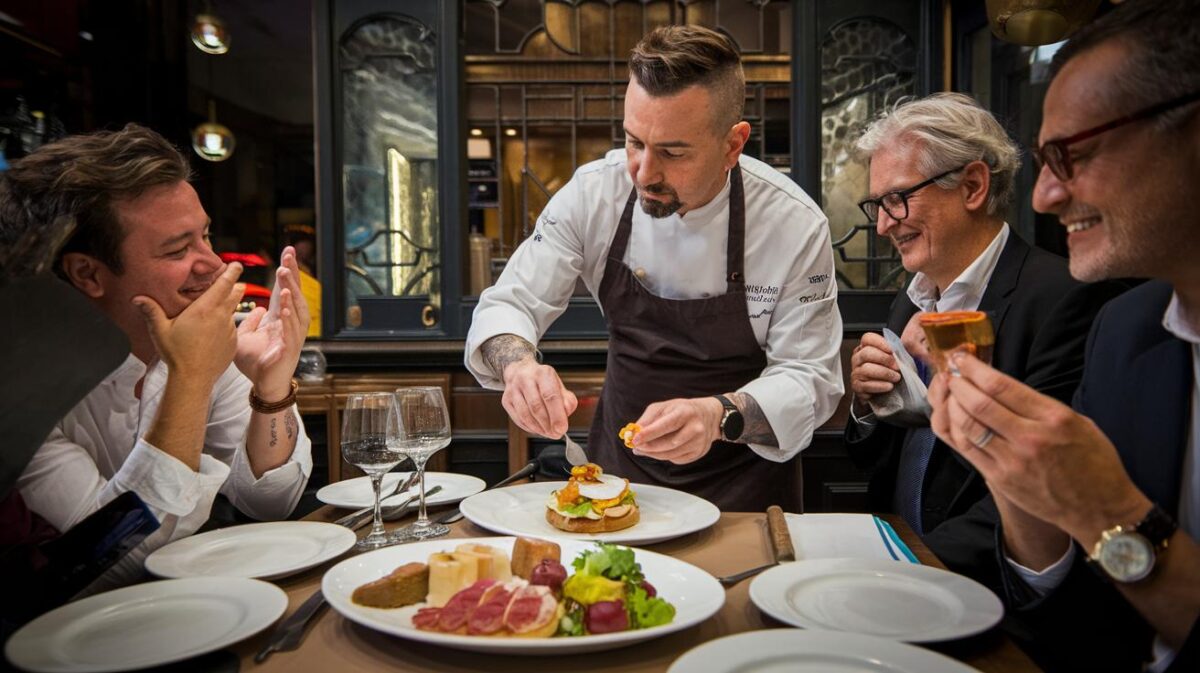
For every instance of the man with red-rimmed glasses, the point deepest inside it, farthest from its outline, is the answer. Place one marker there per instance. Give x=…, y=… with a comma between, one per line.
x=1115, y=483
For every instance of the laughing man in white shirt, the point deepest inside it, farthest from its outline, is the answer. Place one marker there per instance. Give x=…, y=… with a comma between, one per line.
x=200, y=406
x=715, y=275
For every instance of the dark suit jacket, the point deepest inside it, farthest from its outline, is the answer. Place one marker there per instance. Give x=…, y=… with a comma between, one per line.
x=1041, y=317
x=1137, y=387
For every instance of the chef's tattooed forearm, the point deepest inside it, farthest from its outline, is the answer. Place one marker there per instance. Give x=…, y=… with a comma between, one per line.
x=758, y=428
x=504, y=349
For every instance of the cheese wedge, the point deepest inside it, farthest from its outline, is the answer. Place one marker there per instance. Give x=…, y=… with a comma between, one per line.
x=448, y=575
x=500, y=568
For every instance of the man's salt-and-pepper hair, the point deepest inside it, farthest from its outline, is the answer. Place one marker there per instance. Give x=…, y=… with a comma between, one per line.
x=1163, y=62
x=948, y=130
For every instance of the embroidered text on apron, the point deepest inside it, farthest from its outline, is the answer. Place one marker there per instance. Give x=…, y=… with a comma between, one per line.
x=661, y=349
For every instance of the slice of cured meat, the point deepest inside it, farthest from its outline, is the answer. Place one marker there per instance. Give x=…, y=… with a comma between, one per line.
x=426, y=619
x=458, y=609
x=530, y=609
x=488, y=616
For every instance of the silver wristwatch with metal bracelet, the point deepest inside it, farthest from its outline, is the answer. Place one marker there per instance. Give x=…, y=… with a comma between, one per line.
x=1128, y=554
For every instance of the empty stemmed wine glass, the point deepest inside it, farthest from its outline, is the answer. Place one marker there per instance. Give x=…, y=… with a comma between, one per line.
x=424, y=430
x=370, y=430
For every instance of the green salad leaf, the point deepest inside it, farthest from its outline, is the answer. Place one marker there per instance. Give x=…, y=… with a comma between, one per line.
x=611, y=561
x=572, y=620
x=580, y=509
x=644, y=611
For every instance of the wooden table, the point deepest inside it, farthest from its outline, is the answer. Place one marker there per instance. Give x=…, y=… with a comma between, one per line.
x=738, y=541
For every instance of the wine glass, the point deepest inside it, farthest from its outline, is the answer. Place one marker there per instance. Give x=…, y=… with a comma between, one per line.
x=424, y=430
x=370, y=429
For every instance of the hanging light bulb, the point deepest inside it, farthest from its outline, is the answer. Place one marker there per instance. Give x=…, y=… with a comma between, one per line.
x=213, y=141
x=209, y=33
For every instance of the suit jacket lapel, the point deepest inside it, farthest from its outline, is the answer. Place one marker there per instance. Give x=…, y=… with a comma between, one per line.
x=1005, y=276
x=1162, y=376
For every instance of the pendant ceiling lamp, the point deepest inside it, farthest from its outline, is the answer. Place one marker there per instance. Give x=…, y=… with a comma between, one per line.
x=1037, y=22
x=211, y=140
x=209, y=33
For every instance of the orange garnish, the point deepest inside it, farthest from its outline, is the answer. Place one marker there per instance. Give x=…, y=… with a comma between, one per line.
x=627, y=433
x=586, y=472
x=568, y=495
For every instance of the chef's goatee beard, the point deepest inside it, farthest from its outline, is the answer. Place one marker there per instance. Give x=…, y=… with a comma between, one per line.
x=659, y=209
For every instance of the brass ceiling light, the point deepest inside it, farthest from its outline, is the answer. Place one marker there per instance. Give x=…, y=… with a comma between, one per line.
x=209, y=33
x=213, y=141
x=1037, y=22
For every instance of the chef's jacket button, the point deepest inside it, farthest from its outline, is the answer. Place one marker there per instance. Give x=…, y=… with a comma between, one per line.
x=639, y=272
x=735, y=276
x=704, y=294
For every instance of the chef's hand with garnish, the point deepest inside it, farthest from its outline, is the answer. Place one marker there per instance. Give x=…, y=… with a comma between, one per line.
x=536, y=399
x=679, y=431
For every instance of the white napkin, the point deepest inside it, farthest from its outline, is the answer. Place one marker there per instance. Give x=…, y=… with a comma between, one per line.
x=907, y=405
x=844, y=536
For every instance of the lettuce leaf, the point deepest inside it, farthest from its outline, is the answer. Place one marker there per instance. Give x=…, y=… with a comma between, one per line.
x=578, y=509
x=645, y=612
x=611, y=561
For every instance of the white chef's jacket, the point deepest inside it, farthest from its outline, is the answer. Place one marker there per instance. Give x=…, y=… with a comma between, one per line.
x=96, y=452
x=791, y=292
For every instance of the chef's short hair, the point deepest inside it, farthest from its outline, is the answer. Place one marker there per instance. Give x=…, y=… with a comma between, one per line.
x=1163, y=42
x=948, y=130
x=670, y=59
x=80, y=177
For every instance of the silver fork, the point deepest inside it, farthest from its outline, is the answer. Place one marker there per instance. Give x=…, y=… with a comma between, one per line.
x=574, y=452
x=402, y=485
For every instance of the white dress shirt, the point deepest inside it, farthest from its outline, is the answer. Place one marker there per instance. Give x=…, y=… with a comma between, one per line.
x=1177, y=323
x=96, y=452
x=964, y=294
x=791, y=292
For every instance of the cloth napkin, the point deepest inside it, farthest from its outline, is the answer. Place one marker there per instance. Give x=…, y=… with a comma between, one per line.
x=846, y=536
x=907, y=404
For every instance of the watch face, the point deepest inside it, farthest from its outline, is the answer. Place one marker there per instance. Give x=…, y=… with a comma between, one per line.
x=1126, y=557
x=732, y=425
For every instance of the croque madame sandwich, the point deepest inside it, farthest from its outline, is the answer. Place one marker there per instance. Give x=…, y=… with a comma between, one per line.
x=592, y=502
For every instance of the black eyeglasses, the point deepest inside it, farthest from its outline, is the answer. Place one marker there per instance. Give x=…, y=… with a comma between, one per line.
x=895, y=203
x=1053, y=153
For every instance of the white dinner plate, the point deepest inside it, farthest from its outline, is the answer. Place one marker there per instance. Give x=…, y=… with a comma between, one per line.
x=695, y=594
x=889, y=599
x=259, y=550
x=521, y=510
x=146, y=625
x=357, y=493
x=796, y=651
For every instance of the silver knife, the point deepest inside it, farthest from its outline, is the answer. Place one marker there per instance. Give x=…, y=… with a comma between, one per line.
x=290, y=632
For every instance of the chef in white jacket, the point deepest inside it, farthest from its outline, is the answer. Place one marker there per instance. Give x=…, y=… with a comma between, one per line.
x=715, y=275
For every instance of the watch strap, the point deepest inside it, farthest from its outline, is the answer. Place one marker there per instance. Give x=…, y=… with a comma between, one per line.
x=1157, y=527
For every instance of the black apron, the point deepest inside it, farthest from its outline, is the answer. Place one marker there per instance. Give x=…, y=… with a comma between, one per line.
x=661, y=349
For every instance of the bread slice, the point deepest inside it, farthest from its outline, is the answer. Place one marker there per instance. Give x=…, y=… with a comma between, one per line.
x=405, y=585
x=605, y=524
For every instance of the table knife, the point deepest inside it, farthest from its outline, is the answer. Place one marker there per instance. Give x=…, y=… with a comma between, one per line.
x=781, y=539
x=290, y=632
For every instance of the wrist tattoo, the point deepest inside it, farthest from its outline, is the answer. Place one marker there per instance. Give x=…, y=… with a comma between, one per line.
x=274, y=434
x=758, y=428
x=502, y=350
x=290, y=426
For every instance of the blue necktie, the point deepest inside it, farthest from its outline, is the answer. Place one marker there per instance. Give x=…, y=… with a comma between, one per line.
x=914, y=459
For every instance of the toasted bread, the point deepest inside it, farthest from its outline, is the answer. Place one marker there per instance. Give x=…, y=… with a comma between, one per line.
x=605, y=524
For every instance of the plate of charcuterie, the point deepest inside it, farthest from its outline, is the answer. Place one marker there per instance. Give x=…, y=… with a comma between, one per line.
x=521, y=595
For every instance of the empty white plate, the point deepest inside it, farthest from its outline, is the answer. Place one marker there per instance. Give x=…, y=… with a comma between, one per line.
x=795, y=651
x=357, y=493
x=260, y=550
x=889, y=599
x=146, y=625
x=665, y=513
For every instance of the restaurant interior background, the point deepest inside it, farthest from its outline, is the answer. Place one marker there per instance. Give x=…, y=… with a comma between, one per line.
x=408, y=147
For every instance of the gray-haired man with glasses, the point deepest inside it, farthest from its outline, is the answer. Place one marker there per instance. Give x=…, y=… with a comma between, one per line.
x=942, y=173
